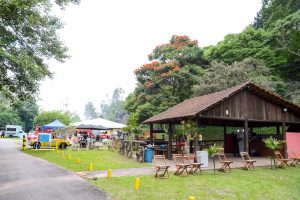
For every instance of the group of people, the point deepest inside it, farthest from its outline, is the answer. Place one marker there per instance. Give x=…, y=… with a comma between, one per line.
x=238, y=141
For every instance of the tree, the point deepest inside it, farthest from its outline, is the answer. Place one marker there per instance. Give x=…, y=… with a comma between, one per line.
x=249, y=43
x=167, y=79
x=274, y=39
x=28, y=36
x=9, y=116
x=273, y=10
x=90, y=111
x=221, y=76
x=114, y=109
x=27, y=111
x=49, y=116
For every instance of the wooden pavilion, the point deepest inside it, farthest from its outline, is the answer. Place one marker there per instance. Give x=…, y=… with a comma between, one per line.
x=246, y=105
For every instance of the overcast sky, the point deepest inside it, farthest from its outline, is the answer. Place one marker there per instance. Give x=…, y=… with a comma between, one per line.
x=108, y=40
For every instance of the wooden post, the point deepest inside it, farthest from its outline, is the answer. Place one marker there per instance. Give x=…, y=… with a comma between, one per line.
x=224, y=138
x=283, y=132
x=277, y=130
x=170, y=142
x=196, y=138
x=246, y=137
x=151, y=133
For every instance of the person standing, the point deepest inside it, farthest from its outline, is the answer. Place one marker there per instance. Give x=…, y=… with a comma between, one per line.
x=235, y=144
x=240, y=138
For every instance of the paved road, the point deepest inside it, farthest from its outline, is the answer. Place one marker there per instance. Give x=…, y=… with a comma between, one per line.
x=23, y=177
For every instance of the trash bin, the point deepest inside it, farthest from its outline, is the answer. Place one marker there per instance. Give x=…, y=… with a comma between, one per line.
x=148, y=154
x=202, y=157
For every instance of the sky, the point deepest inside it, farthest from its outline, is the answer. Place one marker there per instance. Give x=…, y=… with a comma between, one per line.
x=108, y=40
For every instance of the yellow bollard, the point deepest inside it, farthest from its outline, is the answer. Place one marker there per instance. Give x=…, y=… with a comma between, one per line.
x=191, y=198
x=109, y=173
x=77, y=160
x=24, y=143
x=91, y=166
x=69, y=157
x=137, y=184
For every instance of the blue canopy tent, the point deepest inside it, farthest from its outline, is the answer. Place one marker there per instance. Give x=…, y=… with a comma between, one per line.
x=56, y=124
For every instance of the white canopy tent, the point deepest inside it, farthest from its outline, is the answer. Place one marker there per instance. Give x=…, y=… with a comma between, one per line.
x=100, y=122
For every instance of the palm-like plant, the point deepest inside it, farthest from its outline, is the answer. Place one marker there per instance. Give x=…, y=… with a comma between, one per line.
x=272, y=143
x=212, y=151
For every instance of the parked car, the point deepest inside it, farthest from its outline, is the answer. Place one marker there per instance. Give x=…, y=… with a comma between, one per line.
x=62, y=143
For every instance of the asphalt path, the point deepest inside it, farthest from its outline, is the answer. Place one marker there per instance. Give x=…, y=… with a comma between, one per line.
x=24, y=177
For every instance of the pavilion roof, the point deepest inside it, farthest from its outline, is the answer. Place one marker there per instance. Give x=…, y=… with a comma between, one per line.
x=190, y=108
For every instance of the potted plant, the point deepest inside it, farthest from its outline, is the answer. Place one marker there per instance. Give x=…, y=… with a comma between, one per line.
x=272, y=143
x=212, y=151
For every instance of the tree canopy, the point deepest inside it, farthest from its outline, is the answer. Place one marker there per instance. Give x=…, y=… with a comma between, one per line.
x=266, y=52
x=114, y=108
x=220, y=76
x=28, y=36
x=167, y=79
x=49, y=116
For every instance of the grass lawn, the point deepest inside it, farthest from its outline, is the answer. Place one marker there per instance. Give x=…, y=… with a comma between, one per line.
x=263, y=183
x=102, y=160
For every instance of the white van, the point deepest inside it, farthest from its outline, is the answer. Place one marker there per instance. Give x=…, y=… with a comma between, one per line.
x=14, y=131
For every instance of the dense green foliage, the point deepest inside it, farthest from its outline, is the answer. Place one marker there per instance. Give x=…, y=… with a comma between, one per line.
x=21, y=113
x=266, y=52
x=220, y=76
x=27, y=111
x=28, y=36
x=114, y=109
x=49, y=116
x=168, y=79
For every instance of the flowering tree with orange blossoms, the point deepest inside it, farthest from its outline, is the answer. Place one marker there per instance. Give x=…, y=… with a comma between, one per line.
x=168, y=78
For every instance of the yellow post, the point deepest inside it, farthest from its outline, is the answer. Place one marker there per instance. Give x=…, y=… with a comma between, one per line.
x=109, y=173
x=137, y=184
x=191, y=198
x=91, y=166
x=56, y=144
x=69, y=157
x=77, y=160
x=24, y=143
